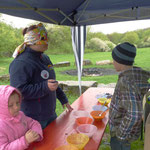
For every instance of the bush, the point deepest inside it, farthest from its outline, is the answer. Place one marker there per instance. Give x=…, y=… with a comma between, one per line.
x=97, y=45
x=144, y=43
x=110, y=44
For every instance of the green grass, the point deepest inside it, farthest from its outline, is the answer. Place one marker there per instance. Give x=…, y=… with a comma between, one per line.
x=137, y=145
x=142, y=60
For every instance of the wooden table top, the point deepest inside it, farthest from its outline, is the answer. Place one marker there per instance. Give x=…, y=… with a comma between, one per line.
x=55, y=133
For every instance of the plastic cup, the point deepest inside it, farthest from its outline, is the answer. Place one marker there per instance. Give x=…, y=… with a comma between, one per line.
x=78, y=140
x=80, y=113
x=87, y=129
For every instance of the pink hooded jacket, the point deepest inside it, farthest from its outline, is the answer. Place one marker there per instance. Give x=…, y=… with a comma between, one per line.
x=13, y=129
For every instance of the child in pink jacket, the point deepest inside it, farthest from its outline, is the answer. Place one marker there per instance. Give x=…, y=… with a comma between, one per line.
x=17, y=131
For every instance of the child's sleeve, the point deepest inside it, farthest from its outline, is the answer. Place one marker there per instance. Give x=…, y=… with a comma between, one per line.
x=18, y=144
x=61, y=96
x=35, y=126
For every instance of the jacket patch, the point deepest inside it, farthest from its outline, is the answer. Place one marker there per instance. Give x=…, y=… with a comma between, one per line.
x=50, y=67
x=45, y=74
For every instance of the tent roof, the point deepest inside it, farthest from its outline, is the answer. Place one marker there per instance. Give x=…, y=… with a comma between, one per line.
x=77, y=12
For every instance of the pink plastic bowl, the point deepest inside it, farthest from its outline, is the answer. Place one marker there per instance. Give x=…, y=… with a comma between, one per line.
x=87, y=129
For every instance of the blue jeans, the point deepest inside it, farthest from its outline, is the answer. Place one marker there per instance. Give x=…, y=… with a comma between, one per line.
x=45, y=123
x=119, y=145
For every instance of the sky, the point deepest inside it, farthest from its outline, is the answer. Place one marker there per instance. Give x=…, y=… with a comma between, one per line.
x=17, y=22
x=120, y=27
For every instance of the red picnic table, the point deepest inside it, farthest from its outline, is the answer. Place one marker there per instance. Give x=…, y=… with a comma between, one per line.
x=55, y=133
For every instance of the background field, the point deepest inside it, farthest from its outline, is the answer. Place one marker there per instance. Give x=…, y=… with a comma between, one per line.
x=142, y=60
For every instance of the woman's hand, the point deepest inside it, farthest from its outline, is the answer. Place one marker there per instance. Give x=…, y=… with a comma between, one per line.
x=52, y=84
x=68, y=106
x=31, y=136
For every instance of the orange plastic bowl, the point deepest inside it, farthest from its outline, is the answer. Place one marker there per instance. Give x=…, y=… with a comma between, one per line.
x=84, y=120
x=95, y=115
x=66, y=147
x=78, y=140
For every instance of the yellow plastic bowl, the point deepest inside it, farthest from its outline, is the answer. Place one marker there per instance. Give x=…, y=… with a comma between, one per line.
x=78, y=140
x=102, y=101
x=66, y=147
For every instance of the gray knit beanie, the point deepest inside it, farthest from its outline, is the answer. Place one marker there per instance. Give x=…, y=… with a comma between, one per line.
x=124, y=53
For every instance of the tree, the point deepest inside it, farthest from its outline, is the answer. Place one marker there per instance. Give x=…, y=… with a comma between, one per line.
x=60, y=38
x=115, y=37
x=99, y=35
x=10, y=38
x=131, y=37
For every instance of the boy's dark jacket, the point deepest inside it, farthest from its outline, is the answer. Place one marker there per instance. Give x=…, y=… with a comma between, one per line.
x=29, y=73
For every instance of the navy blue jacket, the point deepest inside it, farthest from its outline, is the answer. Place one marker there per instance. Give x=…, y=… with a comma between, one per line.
x=29, y=73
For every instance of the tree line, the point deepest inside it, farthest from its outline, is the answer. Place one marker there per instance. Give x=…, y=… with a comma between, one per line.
x=60, y=39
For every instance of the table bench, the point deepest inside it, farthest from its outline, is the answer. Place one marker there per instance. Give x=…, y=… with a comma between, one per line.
x=55, y=134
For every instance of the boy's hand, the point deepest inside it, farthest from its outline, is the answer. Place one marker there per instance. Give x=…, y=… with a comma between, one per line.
x=31, y=136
